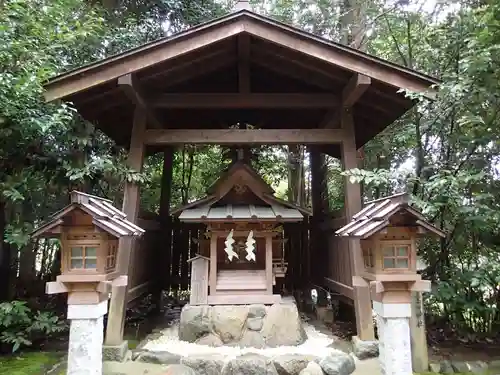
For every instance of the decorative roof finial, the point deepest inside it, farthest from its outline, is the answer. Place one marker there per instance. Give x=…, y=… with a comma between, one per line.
x=241, y=5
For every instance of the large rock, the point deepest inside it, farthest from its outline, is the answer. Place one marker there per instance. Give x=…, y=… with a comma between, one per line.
x=471, y=367
x=228, y=321
x=282, y=326
x=159, y=358
x=255, y=324
x=179, y=370
x=256, y=311
x=292, y=364
x=210, y=340
x=209, y=364
x=337, y=363
x=252, y=339
x=195, y=322
x=249, y=364
x=312, y=368
x=364, y=349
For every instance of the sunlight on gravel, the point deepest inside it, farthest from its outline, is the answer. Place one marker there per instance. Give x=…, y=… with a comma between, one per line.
x=317, y=344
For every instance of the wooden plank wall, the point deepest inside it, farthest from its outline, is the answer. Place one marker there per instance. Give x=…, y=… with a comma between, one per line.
x=297, y=254
x=143, y=260
x=339, y=272
x=182, y=248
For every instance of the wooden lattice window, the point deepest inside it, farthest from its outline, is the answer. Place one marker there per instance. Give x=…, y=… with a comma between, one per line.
x=111, y=255
x=83, y=258
x=368, y=257
x=396, y=257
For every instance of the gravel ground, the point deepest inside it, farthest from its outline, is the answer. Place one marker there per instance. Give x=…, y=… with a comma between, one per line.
x=318, y=344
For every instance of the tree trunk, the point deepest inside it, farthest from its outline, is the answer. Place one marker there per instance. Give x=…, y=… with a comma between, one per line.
x=295, y=175
x=5, y=256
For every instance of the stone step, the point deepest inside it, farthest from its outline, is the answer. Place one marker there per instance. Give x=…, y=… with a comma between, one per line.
x=249, y=364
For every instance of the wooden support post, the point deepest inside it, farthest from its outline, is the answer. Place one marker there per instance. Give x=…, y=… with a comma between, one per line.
x=118, y=305
x=419, y=353
x=362, y=298
x=213, y=264
x=269, y=263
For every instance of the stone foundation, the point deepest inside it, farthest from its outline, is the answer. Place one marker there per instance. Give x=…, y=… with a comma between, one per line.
x=257, y=326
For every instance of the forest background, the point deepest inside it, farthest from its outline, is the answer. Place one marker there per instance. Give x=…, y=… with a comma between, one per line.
x=445, y=153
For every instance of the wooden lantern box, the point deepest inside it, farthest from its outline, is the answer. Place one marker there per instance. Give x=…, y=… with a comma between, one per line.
x=89, y=229
x=388, y=229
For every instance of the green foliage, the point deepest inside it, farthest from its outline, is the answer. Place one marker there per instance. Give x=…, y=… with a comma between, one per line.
x=29, y=363
x=20, y=325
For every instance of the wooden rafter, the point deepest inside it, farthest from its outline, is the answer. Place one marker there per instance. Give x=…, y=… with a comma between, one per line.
x=193, y=68
x=356, y=87
x=236, y=100
x=243, y=136
x=132, y=89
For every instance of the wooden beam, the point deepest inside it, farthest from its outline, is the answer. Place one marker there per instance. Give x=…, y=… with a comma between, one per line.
x=244, y=63
x=244, y=136
x=236, y=100
x=128, y=83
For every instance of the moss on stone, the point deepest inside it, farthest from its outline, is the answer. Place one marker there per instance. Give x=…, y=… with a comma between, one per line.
x=29, y=363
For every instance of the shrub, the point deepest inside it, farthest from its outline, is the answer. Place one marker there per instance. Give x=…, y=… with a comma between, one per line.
x=20, y=326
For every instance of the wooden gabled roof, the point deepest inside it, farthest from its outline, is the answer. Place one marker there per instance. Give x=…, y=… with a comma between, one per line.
x=104, y=216
x=174, y=77
x=377, y=214
x=214, y=206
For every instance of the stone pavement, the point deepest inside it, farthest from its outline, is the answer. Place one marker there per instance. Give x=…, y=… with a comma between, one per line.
x=365, y=367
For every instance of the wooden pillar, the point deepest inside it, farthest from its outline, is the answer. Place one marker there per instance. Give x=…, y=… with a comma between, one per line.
x=269, y=263
x=213, y=263
x=163, y=244
x=362, y=298
x=131, y=197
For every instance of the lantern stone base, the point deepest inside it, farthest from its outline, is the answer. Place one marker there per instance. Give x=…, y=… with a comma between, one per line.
x=85, y=338
x=393, y=324
x=116, y=353
x=257, y=326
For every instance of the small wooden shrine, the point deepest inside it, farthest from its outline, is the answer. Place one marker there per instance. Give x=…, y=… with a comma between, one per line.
x=241, y=254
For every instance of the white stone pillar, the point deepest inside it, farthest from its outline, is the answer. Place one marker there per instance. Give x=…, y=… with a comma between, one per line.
x=393, y=326
x=86, y=336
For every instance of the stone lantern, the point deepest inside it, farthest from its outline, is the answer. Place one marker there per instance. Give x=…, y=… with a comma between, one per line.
x=388, y=229
x=89, y=229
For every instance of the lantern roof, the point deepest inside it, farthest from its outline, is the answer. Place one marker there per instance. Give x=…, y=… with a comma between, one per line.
x=381, y=213
x=104, y=216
